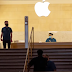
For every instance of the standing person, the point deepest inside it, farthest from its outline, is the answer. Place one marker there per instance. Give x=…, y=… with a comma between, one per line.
x=7, y=35
x=50, y=64
x=39, y=62
x=51, y=39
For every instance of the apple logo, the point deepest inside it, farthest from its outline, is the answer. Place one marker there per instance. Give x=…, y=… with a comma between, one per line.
x=41, y=9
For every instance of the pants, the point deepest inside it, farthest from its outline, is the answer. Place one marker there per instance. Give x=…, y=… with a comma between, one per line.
x=8, y=43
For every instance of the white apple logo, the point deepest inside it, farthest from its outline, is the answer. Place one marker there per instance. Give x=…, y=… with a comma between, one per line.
x=41, y=9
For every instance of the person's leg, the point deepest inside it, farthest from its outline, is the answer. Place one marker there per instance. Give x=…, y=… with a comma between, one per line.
x=4, y=44
x=9, y=44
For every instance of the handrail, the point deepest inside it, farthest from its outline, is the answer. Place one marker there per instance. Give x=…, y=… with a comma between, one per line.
x=25, y=65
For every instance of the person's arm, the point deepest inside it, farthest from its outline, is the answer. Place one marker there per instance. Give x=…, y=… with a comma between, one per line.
x=54, y=40
x=11, y=37
x=11, y=34
x=1, y=34
x=54, y=67
x=28, y=68
x=47, y=40
x=30, y=64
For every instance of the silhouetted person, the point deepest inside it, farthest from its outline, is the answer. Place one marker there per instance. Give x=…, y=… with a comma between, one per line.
x=50, y=64
x=38, y=62
x=51, y=39
x=7, y=35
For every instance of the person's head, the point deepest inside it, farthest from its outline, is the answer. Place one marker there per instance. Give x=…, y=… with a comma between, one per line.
x=6, y=23
x=50, y=35
x=46, y=56
x=39, y=52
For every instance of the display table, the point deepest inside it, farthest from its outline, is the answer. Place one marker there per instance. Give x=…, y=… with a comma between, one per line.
x=44, y=45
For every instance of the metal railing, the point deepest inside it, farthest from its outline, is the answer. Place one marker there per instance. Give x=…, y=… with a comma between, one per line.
x=30, y=46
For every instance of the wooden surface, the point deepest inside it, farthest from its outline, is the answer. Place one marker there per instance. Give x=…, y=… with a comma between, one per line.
x=44, y=45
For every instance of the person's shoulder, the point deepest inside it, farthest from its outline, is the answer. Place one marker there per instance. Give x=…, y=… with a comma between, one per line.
x=3, y=27
x=34, y=58
x=54, y=38
x=9, y=27
x=51, y=62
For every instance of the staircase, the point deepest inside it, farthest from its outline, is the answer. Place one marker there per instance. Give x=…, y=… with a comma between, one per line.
x=61, y=57
x=12, y=60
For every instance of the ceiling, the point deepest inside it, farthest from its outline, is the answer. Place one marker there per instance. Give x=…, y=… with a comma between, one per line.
x=34, y=1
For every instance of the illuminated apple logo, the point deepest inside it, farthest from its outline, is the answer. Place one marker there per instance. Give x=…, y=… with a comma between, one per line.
x=41, y=9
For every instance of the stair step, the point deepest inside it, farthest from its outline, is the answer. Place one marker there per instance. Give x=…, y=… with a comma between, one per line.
x=9, y=61
x=19, y=60
x=70, y=53
x=11, y=54
x=64, y=63
x=64, y=70
x=22, y=63
x=58, y=57
x=12, y=60
x=11, y=57
x=54, y=51
x=9, y=64
x=12, y=67
x=11, y=70
x=13, y=50
x=61, y=67
x=23, y=57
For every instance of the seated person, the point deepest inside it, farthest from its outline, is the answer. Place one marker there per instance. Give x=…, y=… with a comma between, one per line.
x=51, y=39
x=50, y=64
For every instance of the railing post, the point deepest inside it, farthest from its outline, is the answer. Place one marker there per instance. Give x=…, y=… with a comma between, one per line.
x=28, y=57
x=33, y=37
x=26, y=66
x=31, y=46
x=26, y=31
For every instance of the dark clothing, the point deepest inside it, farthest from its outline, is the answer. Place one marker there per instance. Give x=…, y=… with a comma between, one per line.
x=51, y=40
x=6, y=36
x=50, y=66
x=39, y=63
x=4, y=44
x=6, y=33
